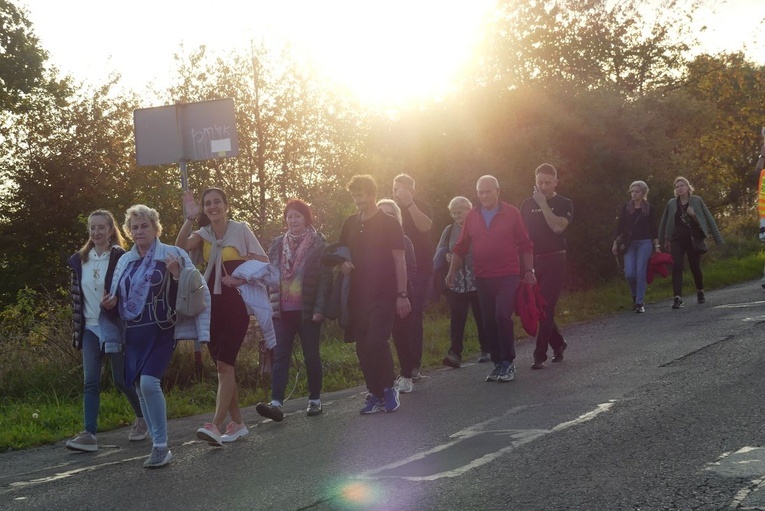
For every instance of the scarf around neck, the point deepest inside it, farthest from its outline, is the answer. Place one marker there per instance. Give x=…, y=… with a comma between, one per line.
x=644, y=207
x=134, y=299
x=294, y=250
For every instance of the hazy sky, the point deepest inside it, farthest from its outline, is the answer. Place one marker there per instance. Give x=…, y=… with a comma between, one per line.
x=91, y=38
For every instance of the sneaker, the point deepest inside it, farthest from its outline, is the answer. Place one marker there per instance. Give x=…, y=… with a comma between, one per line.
x=538, y=365
x=416, y=375
x=558, y=355
x=139, y=431
x=391, y=401
x=700, y=297
x=210, y=434
x=314, y=408
x=507, y=373
x=452, y=360
x=404, y=385
x=494, y=375
x=159, y=457
x=234, y=431
x=271, y=411
x=485, y=357
x=640, y=308
x=83, y=442
x=373, y=405
x=678, y=303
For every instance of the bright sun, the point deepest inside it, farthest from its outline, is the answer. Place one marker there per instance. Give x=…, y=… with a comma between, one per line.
x=385, y=53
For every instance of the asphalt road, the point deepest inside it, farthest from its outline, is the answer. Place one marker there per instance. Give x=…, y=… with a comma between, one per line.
x=657, y=411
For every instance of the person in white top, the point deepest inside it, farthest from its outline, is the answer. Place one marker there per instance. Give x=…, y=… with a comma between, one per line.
x=92, y=269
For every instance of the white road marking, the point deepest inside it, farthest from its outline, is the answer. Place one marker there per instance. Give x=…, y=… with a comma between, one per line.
x=519, y=437
x=739, y=305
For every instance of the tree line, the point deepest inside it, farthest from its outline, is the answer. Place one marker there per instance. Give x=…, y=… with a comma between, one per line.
x=600, y=91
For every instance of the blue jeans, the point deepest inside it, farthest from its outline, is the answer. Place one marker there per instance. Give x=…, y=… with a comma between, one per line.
x=497, y=298
x=291, y=323
x=636, y=267
x=92, y=361
x=154, y=408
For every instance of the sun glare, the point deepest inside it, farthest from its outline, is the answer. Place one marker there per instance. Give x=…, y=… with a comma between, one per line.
x=387, y=53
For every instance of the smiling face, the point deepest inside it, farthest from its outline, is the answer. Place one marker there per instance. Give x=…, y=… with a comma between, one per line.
x=215, y=206
x=296, y=223
x=488, y=193
x=143, y=232
x=100, y=231
x=459, y=212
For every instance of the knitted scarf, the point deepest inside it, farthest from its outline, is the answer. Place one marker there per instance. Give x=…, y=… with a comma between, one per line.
x=294, y=250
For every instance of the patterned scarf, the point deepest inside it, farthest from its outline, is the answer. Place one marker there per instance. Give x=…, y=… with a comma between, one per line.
x=133, y=301
x=294, y=250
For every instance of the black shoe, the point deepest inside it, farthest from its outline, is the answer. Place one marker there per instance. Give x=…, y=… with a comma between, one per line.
x=640, y=308
x=558, y=355
x=538, y=365
x=452, y=360
x=678, y=303
x=700, y=297
x=270, y=411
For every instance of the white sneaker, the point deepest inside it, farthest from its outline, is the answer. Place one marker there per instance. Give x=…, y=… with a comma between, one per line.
x=404, y=385
x=234, y=431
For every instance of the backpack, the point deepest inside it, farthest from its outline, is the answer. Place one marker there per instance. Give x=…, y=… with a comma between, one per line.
x=191, y=293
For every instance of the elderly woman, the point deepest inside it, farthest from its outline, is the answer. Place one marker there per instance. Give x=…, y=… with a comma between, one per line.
x=92, y=272
x=402, y=327
x=223, y=245
x=299, y=304
x=140, y=294
x=462, y=295
x=686, y=217
x=637, y=223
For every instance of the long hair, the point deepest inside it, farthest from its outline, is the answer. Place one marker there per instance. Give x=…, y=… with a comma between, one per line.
x=115, y=238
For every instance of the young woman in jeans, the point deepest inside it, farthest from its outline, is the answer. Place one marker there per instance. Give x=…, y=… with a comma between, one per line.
x=92, y=269
x=637, y=222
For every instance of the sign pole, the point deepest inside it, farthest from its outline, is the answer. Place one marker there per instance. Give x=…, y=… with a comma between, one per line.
x=184, y=176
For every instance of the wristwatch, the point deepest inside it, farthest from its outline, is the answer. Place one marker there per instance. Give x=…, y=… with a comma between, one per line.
x=531, y=270
x=403, y=294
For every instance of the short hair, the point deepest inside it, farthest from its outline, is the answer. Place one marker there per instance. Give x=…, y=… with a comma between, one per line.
x=396, y=209
x=488, y=177
x=642, y=186
x=405, y=179
x=684, y=180
x=301, y=207
x=548, y=169
x=115, y=239
x=142, y=211
x=460, y=201
x=362, y=183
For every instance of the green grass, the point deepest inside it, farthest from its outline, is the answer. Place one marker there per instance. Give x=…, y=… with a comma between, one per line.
x=42, y=386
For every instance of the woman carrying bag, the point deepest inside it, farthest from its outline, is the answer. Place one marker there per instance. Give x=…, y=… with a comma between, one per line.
x=685, y=224
x=636, y=232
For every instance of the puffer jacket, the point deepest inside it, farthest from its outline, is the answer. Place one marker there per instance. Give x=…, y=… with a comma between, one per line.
x=317, y=279
x=75, y=291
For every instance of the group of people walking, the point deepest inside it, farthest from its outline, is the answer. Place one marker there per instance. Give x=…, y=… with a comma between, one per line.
x=124, y=301
x=684, y=226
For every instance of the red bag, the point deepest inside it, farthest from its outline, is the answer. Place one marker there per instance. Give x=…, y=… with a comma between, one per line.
x=529, y=306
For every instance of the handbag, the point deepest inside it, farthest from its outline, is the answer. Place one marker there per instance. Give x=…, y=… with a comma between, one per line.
x=699, y=245
x=698, y=238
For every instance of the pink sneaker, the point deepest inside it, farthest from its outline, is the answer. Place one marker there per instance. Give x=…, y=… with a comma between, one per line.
x=234, y=431
x=210, y=434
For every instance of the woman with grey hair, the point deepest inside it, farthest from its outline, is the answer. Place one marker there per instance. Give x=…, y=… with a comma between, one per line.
x=637, y=224
x=686, y=217
x=142, y=294
x=462, y=295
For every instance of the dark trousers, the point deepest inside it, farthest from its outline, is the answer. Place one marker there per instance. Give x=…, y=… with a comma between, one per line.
x=459, y=303
x=371, y=326
x=419, y=299
x=679, y=248
x=402, y=339
x=549, y=271
x=291, y=323
x=497, y=298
